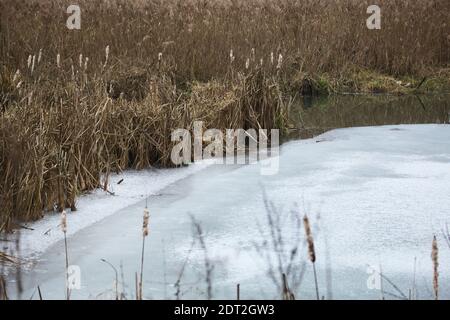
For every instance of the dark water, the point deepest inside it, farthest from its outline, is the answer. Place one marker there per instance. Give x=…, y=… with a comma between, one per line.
x=315, y=115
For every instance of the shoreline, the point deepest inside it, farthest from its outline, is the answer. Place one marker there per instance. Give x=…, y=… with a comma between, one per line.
x=96, y=205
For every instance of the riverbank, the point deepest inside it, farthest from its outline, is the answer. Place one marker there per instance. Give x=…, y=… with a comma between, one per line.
x=124, y=189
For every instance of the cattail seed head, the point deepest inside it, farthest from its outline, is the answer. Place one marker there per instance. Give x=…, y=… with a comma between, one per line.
x=64, y=221
x=58, y=60
x=309, y=239
x=435, y=259
x=145, y=223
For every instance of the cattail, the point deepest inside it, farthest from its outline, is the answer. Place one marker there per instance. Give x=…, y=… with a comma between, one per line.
x=80, y=60
x=58, y=60
x=434, y=258
x=29, y=61
x=280, y=61
x=309, y=239
x=33, y=63
x=64, y=221
x=247, y=63
x=39, y=56
x=145, y=224
x=311, y=251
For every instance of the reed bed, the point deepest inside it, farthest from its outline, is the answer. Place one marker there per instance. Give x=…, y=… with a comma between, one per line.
x=77, y=105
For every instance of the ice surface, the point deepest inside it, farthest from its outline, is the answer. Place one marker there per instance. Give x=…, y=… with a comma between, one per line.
x=375, y=195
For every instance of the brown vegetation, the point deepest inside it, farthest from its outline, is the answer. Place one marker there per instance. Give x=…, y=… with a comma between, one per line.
x=74, y=112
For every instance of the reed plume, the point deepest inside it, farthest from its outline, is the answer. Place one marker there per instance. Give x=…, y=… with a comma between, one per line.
x=33, y=62
x=280, y=61
x=106, y=56
x=39, y=56
x=231, y=56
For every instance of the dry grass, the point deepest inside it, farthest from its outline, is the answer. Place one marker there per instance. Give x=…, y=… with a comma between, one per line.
x=62, y=128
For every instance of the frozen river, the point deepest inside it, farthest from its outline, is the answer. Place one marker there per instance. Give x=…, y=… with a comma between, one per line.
x=375, y=197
